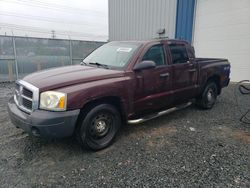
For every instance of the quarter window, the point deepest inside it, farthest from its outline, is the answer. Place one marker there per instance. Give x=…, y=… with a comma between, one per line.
x=156, y=54
x=178, y=53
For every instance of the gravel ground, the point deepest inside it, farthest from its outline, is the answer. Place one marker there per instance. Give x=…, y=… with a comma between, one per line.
x=187, y=148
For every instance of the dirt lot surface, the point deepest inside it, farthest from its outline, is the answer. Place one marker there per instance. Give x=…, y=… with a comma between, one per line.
x=187, y=148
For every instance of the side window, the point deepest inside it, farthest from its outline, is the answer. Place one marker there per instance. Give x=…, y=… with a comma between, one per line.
x=191, y=52
x=156, y=54
x=178, y=53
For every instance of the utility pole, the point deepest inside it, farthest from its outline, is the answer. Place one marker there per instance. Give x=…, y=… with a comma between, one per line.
x=53, y=35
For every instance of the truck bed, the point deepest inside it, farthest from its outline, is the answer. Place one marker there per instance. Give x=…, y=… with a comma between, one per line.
x=214, y=60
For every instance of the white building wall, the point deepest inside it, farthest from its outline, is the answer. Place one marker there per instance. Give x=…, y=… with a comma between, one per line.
x=141, y=19
x=222, y=29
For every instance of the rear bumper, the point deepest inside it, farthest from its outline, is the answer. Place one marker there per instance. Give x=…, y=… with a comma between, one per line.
x=44, y=123
x=226, y=82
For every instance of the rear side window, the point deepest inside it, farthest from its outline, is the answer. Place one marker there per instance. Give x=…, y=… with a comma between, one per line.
x=178, y=53
x=156, y=54
x=191, y=52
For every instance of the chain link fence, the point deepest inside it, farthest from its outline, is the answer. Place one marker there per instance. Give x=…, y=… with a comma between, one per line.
x=20, y=56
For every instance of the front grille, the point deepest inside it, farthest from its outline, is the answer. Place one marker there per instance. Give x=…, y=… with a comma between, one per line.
x=26, y=96
x=27, y=93
x=27, y=103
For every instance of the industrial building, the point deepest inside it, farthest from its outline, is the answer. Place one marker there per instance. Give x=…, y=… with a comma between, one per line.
x=219, y=29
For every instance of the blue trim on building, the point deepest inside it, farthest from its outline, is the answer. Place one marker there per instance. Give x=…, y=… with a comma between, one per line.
x=184, y=19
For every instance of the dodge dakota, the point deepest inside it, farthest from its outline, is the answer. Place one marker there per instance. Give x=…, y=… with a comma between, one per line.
x=120, y=82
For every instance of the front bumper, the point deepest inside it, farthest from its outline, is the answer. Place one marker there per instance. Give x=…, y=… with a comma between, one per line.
x=43, y=123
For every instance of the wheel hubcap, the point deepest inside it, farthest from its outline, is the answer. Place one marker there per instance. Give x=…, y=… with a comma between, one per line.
x=100, y=126
x=210, y=95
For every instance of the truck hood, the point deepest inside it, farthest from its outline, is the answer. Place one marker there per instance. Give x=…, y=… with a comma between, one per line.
x=69, y=75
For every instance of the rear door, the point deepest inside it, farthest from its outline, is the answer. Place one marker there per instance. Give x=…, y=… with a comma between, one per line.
x=184, y=72
x=153, y=89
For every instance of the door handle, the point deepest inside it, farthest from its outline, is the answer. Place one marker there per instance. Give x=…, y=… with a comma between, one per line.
x=192, y=70
x=164, y=75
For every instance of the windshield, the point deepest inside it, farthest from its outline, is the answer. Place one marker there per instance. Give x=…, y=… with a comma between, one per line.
x=113, y=54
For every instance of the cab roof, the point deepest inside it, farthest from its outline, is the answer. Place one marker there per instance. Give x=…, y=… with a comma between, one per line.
x=156, y=40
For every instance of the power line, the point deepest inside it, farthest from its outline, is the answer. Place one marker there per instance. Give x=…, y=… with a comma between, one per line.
x=55, y=7
x=46, y=19
x=50, y=6
x=37, y=2
x=41, y=30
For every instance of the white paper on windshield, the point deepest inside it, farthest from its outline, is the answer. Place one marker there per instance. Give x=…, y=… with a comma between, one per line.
x=124, y=49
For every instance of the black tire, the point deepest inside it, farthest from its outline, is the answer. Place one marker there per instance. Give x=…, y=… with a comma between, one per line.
x=208, y=97
x=97, y=129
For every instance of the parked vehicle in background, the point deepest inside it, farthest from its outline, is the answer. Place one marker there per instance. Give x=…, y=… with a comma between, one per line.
x=119, y=82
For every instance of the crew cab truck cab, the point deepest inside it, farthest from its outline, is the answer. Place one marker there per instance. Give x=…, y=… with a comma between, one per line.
x=119, y=82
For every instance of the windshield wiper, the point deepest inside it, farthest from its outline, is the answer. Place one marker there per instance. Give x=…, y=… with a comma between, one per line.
x=83, y=63
x=99, y=65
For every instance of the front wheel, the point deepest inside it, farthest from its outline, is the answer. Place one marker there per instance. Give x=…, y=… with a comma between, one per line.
x=208, y=97
x=99, y=127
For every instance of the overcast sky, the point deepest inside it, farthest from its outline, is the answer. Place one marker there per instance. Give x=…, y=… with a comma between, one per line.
x=75, y=19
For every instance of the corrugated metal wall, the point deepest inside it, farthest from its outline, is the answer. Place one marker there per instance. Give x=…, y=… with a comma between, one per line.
x=184, y=19
x=141, y=19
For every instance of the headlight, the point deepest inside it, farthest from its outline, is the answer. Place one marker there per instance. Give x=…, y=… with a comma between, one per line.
x=53, y=100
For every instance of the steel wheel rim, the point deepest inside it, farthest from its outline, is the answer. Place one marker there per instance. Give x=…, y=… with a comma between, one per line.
x=100, y=126
x=210, y=96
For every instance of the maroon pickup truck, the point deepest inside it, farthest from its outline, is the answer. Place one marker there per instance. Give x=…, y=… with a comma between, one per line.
x=118, y=83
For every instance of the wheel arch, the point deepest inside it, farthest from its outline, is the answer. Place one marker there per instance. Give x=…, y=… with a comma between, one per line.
x=216, y=79
x=116, y=101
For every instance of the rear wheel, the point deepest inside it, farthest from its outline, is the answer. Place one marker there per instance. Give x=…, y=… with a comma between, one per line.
x=99, y=127
x=208, y=97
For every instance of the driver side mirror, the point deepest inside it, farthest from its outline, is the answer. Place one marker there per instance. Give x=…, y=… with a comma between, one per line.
x=144, y=65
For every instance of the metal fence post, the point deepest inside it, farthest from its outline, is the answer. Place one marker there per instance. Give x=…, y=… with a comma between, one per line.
x=70, y=52
x=15, y=57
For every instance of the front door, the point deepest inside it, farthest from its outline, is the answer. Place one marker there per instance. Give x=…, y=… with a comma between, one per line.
x=153, y=89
